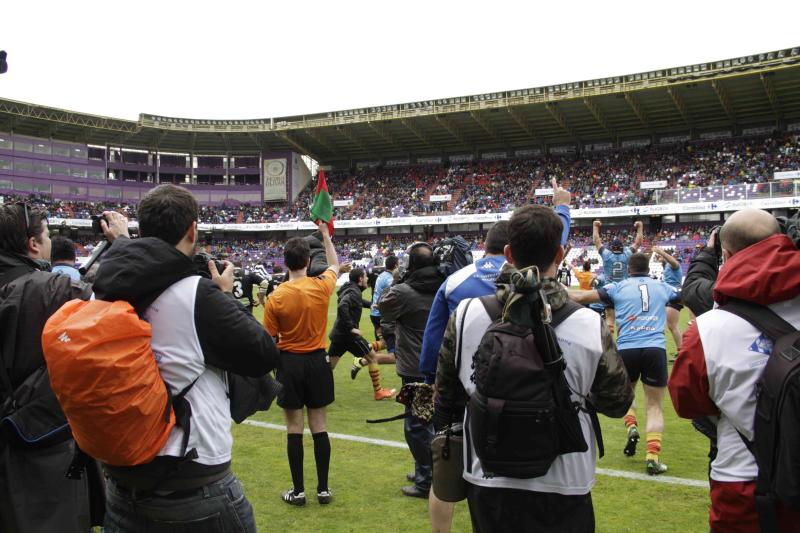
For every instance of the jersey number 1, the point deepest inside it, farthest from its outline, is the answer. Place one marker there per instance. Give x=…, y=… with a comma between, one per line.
x=645, y=298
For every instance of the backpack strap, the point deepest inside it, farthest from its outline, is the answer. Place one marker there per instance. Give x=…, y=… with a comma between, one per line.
x=559, y=316
x=493, y=306
x=564, y=312
x=461, y=332
x=761, y=317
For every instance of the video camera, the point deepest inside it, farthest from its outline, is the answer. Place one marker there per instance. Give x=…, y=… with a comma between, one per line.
x=99, y=250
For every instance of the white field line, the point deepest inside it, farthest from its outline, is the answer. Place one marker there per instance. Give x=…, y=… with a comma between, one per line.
x=670, y=480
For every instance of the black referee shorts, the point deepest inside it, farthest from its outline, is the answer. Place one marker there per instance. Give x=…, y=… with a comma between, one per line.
x=648, y=363
x=356, y=345
x=307, y=380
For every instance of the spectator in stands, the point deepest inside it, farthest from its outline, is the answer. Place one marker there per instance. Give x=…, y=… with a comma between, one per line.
x=723, y=357
x=63, y=257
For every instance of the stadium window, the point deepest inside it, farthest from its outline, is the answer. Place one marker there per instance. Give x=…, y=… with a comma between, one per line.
x=41, y=148
x=6, y=164
x=23, y=146
x=5, y=143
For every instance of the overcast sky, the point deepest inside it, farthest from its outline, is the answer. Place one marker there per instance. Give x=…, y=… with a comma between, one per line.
x=235, y=59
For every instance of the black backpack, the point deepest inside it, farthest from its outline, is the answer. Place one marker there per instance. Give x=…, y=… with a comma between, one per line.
x=777, y=420
x=452, y=254
x=521, y=416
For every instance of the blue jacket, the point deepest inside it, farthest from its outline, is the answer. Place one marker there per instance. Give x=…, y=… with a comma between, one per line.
x=471, y=281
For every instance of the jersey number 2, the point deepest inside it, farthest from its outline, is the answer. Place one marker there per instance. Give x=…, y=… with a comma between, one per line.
x=645, y=298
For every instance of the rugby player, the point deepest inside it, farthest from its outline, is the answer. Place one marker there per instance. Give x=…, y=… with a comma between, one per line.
x=641, y=303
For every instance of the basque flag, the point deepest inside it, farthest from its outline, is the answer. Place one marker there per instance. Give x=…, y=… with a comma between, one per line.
x=322, y=209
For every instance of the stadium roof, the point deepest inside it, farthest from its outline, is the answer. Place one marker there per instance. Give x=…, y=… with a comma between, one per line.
x=707, y=99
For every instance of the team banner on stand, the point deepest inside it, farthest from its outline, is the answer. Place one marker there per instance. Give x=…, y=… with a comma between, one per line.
x=658, y=184
x=441, y=197
x=275, y=179
x=787, y=175
x=343, y=203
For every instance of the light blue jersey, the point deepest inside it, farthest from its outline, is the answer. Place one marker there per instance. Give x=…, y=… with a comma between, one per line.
x=615, y=265
x=640, y=305
x=383, y=282
x=673, y=276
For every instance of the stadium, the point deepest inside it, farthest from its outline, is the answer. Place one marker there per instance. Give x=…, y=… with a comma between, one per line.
x=679, y=149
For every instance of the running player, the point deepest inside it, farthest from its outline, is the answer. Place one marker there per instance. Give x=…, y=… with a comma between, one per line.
x=243, y=283
x=345, y=335
x=615, y=260
x=673, y=275
x=641, y=301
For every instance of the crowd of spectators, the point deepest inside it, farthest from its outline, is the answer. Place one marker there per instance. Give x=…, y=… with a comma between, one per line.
x=694, y=172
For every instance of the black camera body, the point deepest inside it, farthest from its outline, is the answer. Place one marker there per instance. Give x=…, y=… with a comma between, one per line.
x=717, y=241
x=96, y=223
x=201, y=260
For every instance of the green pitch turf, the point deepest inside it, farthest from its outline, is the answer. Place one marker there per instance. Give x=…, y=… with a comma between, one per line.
x=366, y=478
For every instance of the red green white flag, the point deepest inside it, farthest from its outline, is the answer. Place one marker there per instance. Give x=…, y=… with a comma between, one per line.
x=322, y=208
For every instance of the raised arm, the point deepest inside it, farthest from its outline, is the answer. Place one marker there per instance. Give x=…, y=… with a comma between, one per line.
x=668, y=258
x=637, y=241
x=598, y=243
x=330, y=251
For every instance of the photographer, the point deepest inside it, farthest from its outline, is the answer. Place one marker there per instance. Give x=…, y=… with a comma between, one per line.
x=199, y=331
x=701, y=277
x=36, y=446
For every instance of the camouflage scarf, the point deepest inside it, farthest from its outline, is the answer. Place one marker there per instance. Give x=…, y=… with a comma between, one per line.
x=519, y=290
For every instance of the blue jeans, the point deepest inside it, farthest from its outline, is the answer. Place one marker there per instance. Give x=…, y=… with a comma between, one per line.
x=219, y=507
x=418, y=437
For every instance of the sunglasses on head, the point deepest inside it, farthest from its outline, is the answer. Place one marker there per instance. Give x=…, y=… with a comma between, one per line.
x=26, y=212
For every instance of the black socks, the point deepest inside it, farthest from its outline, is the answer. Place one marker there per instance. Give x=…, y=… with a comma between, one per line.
x=322, y=456
x=294, y=449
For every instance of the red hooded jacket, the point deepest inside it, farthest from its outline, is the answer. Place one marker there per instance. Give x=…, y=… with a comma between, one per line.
x=722, y=357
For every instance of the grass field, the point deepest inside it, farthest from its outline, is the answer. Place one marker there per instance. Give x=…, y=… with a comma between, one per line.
x=366, y=478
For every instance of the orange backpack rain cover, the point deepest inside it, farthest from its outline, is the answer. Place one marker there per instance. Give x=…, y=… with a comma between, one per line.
x=105, y=376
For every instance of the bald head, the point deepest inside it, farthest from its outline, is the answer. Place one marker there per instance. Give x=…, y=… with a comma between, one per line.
x=745, y=228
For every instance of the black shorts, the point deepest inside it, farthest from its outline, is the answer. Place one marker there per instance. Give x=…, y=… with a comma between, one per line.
x=307, y=380
x=376, y=325
x=648, y=363
x=356, y=345
x=675, y=305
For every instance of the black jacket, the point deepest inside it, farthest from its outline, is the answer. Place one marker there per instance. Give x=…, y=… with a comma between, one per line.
x=36, y=432
x=139, y=270
x=408, y=304
x=319, y=263
x=348, y=311
x=211, y=333
x=698, y=286
x=25, y=305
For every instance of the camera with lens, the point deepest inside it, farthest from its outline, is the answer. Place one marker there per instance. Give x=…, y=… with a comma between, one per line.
x=717, y=241
x=96, y=223
x=201, y=260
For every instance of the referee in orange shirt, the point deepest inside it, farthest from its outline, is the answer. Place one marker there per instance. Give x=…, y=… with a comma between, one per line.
x=297, y=314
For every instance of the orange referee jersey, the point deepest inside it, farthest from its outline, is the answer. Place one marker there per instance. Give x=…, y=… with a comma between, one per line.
x=297, y=312
x=585, y=279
